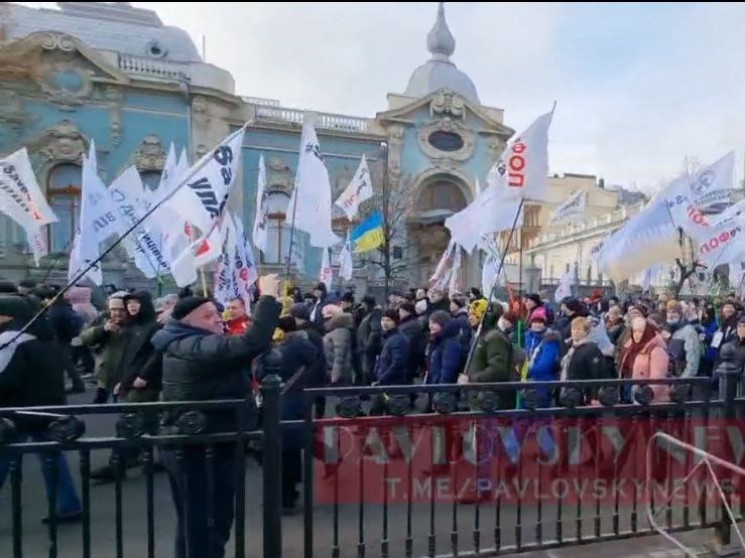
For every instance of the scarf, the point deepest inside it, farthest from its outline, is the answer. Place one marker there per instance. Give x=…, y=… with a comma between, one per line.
x=633, y=351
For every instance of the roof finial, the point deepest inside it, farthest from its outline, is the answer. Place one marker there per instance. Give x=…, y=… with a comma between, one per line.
x=440, y=42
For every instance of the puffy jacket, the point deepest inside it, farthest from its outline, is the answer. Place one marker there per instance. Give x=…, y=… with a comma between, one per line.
x=317, y=374
x=411, y=327
x=685, y=343
x=651, y=363
x=494, y=361
x=392, y=367
x=543, y=351
x=337, y=344
x=199, y=365
x=446, y=355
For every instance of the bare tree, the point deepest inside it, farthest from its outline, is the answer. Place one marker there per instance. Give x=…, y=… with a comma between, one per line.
x=392, y=260
x=687, y=263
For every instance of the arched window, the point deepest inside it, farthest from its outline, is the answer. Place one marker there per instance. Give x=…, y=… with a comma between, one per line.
x=278, y=230
x=63, y=192
x=441, y=195
x=150, y=179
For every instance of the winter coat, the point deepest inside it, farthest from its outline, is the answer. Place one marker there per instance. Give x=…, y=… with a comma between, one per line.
x=64, y=321
x=392, y=367
x=585, y=361
x=370, y=340
x=111, y=348
x=446, y=355
x=199, y=365
x=411, y=327
x=615, y=332
x=543, y=351
x=739, y=346
x=337, y=344
x=140, y=356
x=317, y=374
x=494, y=361
x=297, y=352
x=710, y=353
x=685, y=346
x=652, y=363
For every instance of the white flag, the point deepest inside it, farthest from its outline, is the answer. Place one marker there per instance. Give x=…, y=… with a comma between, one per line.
x=572, y=210
x=99, y=220
x=201, y=201
x=225, y=276
x=454, y=284
x=647, y=239
x=358, y=191
x=144, y=245
x=490, y=212
x=260, y=219
x=327, y=273
x=206, y=186
x=22, y=200
x=723, y=243
x=523, y=168
x=244, y=268
x=346, y=264
x=310, y=203
x=689, y=195
x=442, y=272
x=564, y=289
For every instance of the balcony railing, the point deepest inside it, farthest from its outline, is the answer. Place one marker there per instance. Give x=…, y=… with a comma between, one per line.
x=154, y=68
x=323, y=120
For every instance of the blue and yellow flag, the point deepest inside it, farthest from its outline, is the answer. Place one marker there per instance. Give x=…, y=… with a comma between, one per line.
x=369, y=234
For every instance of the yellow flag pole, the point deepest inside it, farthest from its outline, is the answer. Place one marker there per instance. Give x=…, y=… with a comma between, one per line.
x=204, y=282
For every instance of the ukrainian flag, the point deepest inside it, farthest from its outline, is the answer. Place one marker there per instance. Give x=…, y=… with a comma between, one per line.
x=368, y=235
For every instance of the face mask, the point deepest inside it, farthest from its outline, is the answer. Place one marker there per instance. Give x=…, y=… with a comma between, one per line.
x=673, y=322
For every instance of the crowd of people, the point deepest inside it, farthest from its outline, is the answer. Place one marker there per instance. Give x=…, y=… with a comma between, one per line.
x=185, y=347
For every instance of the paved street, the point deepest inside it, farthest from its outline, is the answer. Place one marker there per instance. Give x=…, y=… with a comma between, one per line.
x=135, y=528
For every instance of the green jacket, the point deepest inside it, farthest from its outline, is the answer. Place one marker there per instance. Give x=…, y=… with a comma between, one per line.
x=493, y=362
x=113, y=347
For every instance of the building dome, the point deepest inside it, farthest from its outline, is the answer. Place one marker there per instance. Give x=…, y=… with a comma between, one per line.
x=439, y=72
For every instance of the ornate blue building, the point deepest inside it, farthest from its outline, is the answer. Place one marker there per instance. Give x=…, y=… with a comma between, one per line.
x=116, y=74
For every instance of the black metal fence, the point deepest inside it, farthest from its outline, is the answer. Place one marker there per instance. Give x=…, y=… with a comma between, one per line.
x=364, y=489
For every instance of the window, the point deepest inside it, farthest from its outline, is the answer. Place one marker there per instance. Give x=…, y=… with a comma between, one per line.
x=150, y=179
x=441, y=195
x=446, y=141
x=278, y=230
x=63, y=191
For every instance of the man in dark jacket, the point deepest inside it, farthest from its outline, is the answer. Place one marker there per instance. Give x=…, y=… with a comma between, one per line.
x=317, y=374
x=31, y=374
x=392, y=367
x=201, y=363
x=411, y=327
x=66, y=325
x=369, y=338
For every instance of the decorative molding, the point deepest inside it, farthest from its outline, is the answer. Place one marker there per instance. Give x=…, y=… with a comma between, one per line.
x=62, y=143
x=447, y=102
x=150, y=156
x=496, y=147
x=395, y=135
x=447, y=124
x=115, y=97
x=12, y=113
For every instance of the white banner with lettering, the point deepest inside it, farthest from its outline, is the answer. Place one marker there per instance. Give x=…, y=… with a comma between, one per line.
x=572, y=210
x=22, y=200
x=358, y=191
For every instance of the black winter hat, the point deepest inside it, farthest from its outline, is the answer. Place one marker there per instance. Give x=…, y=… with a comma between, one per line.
x=535, y=298
x=440, y=317
x=574, y=305
x=408, y=307
x=300, y=311
x=348, y=297
x=392, y=315
x=187, y=305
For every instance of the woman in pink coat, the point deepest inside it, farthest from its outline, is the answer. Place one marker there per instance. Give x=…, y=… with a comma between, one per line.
x=645, y=357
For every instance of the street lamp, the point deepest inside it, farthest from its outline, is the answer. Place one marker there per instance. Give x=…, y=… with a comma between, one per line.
x=386, y=232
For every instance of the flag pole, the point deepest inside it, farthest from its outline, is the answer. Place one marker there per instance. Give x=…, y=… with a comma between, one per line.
x=493, y=290
x=520, y=293
x=289, y=251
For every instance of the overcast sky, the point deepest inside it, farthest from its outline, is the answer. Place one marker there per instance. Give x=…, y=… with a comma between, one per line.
x=638, y=86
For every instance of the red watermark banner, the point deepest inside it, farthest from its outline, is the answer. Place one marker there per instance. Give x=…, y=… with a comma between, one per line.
x=423, y=459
